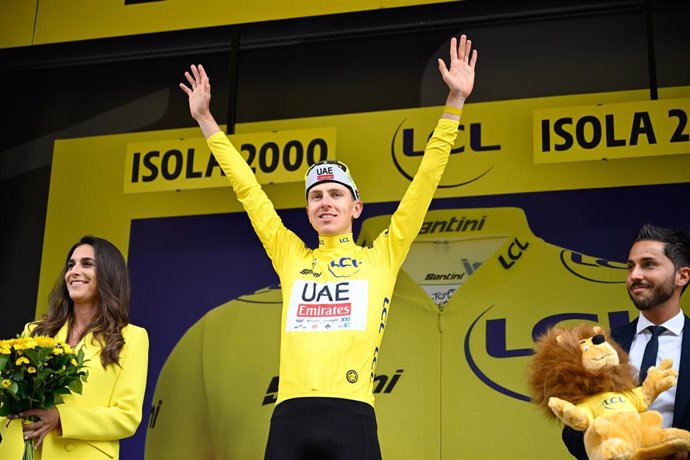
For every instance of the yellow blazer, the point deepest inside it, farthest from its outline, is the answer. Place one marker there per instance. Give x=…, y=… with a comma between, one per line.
x=108, y=409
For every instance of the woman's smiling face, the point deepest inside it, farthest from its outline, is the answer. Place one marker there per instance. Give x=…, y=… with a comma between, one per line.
x=81, y=278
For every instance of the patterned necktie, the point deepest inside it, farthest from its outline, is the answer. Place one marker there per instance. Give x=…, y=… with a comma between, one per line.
x=650, y=351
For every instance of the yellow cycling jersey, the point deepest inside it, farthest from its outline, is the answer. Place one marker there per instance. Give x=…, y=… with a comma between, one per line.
x=336, y=298
x=608, y=403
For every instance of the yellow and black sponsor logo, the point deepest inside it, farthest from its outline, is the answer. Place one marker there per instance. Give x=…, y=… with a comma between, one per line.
x=183, y=164
x=472, y=157
x=513, y=253
x=594, y=269
x=602, y=132
x=454, y=224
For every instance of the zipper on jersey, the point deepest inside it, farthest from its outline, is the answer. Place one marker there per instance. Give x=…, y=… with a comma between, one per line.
x=441, y=318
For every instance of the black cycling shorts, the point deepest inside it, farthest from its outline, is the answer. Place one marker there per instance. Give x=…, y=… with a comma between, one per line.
x=323, y=429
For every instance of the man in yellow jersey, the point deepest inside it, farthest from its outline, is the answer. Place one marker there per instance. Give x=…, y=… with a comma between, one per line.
x=335, y=298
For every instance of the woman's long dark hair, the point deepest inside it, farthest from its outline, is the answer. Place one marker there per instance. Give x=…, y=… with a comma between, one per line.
x=114, y=293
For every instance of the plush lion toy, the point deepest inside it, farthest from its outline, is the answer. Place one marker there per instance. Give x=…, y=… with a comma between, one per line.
x=585, y=380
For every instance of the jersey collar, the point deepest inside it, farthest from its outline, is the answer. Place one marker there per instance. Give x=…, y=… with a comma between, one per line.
x=336, y=242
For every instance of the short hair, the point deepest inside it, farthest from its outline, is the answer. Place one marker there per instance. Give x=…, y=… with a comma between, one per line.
x=676, y=243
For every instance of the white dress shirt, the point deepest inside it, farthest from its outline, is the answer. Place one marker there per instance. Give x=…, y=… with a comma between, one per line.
x=669, y=347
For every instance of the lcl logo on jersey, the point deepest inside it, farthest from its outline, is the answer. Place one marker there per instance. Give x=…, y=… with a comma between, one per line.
x=495, y=346
x=471, y=145
x=344, y=267
x=593, y=269
x=514, y=252
x=614, y=403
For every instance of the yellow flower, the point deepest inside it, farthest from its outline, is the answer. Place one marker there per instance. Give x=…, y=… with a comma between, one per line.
x=5, y=350
x=6, y=383
x=67, y=347
x=44, y=341
x=58, y=351
x=24, y=343
x=22, y=360
x=31, y=370
x=74, y=362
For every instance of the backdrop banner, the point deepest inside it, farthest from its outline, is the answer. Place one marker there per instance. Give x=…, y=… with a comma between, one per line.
x=510, y=246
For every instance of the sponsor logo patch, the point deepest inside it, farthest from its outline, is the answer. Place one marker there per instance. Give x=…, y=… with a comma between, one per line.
x=352, y=376
x=332, y=306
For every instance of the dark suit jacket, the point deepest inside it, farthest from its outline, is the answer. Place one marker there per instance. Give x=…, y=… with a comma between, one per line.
x=681, y=410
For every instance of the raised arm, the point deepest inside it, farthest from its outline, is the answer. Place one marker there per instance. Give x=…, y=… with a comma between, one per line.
x=266, y=222
x=459, y=77
x=199, y=92
x=408, y=218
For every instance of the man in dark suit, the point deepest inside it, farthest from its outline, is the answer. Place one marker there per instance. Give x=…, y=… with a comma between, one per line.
x=658, y=274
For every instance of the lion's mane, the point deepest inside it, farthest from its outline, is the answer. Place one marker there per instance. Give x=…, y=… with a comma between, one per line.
x=556, y=369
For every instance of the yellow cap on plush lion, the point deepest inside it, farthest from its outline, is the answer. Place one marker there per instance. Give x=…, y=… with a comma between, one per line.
x=584, y=379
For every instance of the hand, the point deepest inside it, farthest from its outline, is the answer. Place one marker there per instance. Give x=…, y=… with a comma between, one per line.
x=659, y=379
x=200, y=99
x=569, y=414
x=460, y=76
x=47, y=420
x=200, y=92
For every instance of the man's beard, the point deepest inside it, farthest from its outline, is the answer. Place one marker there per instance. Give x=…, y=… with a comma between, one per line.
x=659, y=295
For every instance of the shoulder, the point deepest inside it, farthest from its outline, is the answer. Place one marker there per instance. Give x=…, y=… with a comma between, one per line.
x=625, y=329
x=29, y=328
x=623, y=335
x=135, y=333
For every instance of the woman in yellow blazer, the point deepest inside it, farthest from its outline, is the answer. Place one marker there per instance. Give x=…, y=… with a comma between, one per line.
x=89, y=308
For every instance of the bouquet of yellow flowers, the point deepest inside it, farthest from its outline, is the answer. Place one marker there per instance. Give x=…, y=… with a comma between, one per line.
x=35, y=372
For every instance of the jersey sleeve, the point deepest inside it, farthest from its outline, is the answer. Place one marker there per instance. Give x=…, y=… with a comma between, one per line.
x=278, y=241
x=409, y=216
x=121, y=417
x=636, y=397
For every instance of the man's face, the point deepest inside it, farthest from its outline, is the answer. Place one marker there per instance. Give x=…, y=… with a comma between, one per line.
x=651, y=277
x=331, y=208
